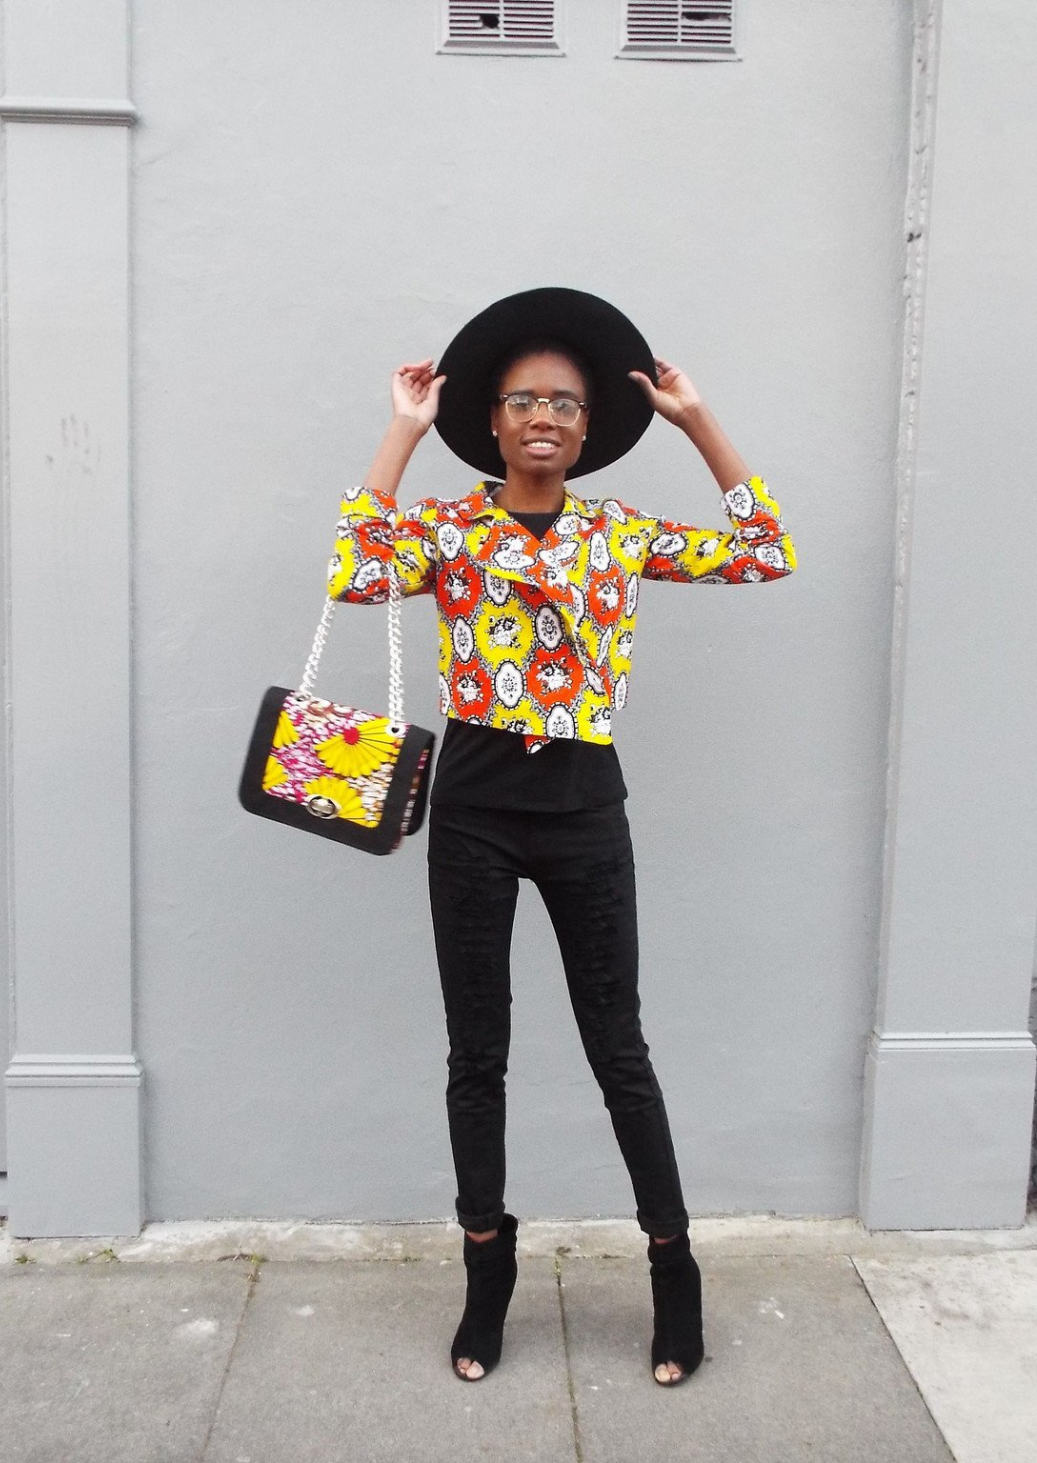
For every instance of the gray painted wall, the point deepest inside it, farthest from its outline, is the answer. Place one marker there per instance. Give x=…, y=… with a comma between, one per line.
x=1032, y=1186
x=72, y=1085
x=950, y=1075
x=316, y=201
x=833, y=779
x=6, y=984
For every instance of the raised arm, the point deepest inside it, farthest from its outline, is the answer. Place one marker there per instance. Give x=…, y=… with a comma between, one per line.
x=415, y=401
x=372, y=531
x=757, y=548
x=677, y=399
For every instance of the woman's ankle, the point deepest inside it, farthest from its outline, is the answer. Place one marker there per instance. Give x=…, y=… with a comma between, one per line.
x=480, y=1238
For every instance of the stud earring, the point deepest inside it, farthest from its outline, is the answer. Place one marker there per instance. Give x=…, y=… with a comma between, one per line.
x=495, y=434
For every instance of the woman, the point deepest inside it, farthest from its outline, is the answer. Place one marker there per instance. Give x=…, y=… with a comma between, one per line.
x=536, y=591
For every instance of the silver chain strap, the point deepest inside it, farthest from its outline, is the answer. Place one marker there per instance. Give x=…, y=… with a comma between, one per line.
x=395, y=651
x=309, y=675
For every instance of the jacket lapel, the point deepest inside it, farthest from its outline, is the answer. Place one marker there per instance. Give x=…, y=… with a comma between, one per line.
x=555, y=564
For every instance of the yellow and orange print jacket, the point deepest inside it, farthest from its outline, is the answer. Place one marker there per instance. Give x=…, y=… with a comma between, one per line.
x=536, y=635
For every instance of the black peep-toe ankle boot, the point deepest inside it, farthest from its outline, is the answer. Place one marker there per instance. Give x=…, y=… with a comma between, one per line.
x=492, y=1270
x=677, y=1300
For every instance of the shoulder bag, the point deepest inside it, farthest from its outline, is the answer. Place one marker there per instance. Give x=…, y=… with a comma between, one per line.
x=355, y=776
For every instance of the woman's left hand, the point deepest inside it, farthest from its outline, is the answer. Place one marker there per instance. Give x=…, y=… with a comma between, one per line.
x=674, y=394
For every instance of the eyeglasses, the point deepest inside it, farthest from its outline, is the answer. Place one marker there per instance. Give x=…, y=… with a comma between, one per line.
x=522, y=406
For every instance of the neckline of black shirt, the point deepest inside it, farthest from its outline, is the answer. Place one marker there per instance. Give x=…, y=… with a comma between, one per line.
x=488, y=767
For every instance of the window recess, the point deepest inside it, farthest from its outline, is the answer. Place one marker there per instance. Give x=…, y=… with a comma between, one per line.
x=678, y=30
x=501, y=27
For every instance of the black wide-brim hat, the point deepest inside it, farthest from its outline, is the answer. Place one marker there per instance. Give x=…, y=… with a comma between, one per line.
x=601, y=334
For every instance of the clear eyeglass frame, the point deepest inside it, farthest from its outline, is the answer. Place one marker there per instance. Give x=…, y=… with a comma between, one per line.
x=522, y=406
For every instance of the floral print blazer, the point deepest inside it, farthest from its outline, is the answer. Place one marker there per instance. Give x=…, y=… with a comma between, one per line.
x=536, y=636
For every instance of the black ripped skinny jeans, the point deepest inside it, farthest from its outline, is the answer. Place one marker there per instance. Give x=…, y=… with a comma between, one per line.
x=582, y=865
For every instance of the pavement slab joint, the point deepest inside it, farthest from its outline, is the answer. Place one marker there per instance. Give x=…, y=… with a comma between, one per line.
x=570, y=1385
x=252, y=1280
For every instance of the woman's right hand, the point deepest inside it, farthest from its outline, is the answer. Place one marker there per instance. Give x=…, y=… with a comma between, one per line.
x=415, y=392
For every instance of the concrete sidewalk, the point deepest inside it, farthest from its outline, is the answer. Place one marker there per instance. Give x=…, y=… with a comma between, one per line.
x=286, y=1343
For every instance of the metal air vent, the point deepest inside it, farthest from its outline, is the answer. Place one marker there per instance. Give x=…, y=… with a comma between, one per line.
x=678, y=30
x=506, y=27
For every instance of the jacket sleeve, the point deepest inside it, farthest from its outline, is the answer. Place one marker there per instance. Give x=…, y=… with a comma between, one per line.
x=373, y=532
x=756, y=548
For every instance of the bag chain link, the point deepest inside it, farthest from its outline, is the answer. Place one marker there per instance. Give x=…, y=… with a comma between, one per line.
x=309, y=676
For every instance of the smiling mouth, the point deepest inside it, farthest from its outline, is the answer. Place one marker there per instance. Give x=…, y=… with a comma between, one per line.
x=540, y=444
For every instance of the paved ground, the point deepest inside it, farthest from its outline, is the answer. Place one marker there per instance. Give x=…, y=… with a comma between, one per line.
x=823, y=1342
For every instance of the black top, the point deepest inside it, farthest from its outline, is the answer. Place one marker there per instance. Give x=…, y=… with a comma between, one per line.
x=487, y=767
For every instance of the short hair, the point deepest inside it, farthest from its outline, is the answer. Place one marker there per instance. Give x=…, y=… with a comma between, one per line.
x=538, y=346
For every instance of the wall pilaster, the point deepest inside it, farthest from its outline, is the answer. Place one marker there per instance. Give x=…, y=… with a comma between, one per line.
x=73, y=1086
x=950, y=1069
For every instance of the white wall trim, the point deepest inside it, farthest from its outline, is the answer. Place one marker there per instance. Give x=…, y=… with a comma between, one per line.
x=952, y=1041
x=917, y=212
x=74, y=1071
x=68, y=109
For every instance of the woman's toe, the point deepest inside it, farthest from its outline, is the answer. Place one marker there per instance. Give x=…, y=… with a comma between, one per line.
x=668, y=1371
x=469, y=1368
